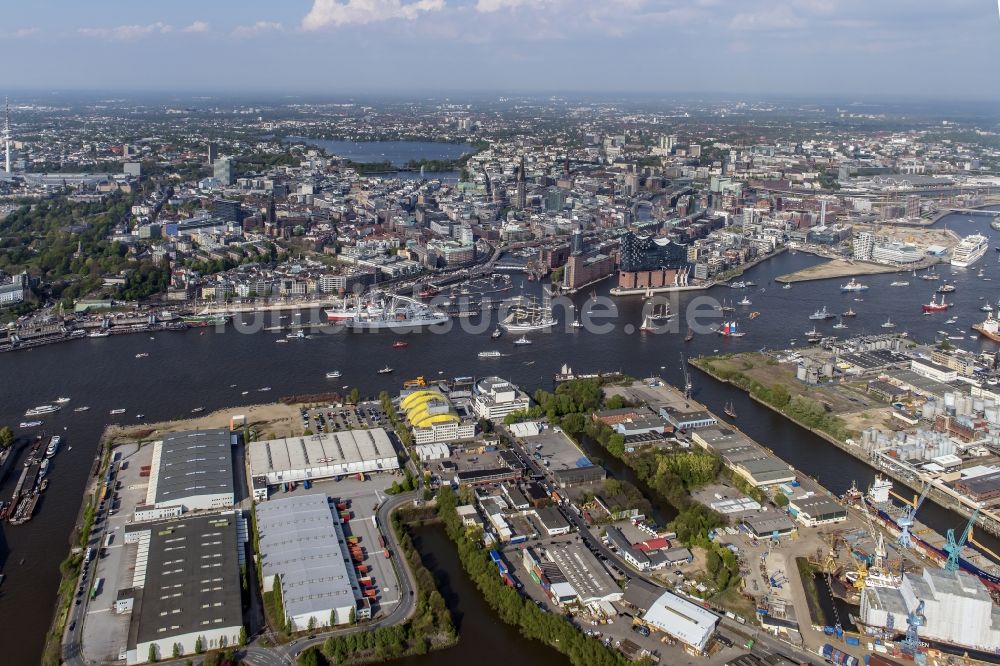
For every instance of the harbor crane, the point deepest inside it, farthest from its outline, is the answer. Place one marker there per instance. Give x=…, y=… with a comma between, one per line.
x=905, y=522
x=954, y=548
x=914, y=621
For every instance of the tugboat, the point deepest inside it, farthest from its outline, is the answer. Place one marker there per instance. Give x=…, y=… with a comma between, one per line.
x=814, y=335
x=850, y=313
x=888, y=323
x=946, y=288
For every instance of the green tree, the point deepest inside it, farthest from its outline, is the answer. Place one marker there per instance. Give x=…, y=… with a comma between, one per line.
x=310, y=657
x=177, y=650
x=6, y=437
x=352, y=616
x=780, y=499
x=312, y=622
x=243, y=636
x=153, y=654
x=199, y=645
x=355, y=396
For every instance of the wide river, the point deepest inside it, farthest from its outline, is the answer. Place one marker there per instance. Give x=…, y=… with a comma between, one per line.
x=188, y=370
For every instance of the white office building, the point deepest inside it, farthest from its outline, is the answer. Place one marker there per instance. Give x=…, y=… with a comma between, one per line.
x=494, y=398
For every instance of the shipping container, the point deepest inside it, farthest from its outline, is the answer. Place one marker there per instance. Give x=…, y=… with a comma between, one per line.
x=362, y=568
x=353, y=540
x=835, y=656
x=371, y=593
x=385, y=553
x=852, y=640
x=343, y=506
x=381, y=541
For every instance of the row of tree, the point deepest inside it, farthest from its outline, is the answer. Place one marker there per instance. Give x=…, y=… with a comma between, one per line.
x=552, y=629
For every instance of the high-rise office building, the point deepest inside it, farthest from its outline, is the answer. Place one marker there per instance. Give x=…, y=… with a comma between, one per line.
x=213, y=153
x=225, y=170
x=227, y=210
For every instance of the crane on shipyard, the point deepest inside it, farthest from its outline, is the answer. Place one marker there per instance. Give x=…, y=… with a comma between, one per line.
x=954, y=548
x=905, y=521
x=914, y=621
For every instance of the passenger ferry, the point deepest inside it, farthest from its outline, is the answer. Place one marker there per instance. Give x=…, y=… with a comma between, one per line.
x=927, y=541
x=42, y=409
x=333, y=374
x=970, y=250
x=490, y=354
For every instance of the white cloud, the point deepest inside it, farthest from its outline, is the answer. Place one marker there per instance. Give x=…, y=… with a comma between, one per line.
x=336, y=13
x=127, y=32
x=256, y=28
x=21, y=33
x=489, y=6
x=197, y=26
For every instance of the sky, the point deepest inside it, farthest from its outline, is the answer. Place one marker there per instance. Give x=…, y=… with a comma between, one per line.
x=937, y=49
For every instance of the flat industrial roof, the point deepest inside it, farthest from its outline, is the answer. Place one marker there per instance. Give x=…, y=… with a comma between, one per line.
x=330, y=450
x=681, y=618
x=191, y=463
x=300, y=543
x=192, y=580
x=583, y=571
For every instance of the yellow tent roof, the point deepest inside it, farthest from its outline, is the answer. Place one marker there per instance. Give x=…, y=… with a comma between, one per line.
x=418, y=398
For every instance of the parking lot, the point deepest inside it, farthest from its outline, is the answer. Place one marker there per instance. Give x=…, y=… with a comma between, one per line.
x=345, y=417
x=105, y=633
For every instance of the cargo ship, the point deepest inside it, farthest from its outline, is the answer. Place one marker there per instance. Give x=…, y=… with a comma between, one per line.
x=926, y=540
x=970, y=250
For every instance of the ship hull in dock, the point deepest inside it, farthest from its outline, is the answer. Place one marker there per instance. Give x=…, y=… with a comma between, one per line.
x=933, y=551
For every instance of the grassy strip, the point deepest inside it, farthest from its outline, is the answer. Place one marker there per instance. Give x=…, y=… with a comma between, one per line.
x=805, y=411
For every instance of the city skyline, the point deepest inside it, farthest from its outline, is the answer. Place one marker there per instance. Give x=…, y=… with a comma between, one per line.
x=802, y=48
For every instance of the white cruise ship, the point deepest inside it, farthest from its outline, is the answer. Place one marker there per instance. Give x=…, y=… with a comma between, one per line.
x=970, y=250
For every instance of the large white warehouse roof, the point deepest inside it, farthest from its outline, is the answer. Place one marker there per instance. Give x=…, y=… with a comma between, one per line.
x=322, y=456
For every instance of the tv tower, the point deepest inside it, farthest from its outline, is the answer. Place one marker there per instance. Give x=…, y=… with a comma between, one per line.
x=6, y=135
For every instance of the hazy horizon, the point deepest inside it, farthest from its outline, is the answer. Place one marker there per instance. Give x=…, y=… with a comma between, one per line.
x=801, y=48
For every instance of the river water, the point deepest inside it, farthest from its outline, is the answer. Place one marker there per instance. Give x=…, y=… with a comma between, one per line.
x=197, y=368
